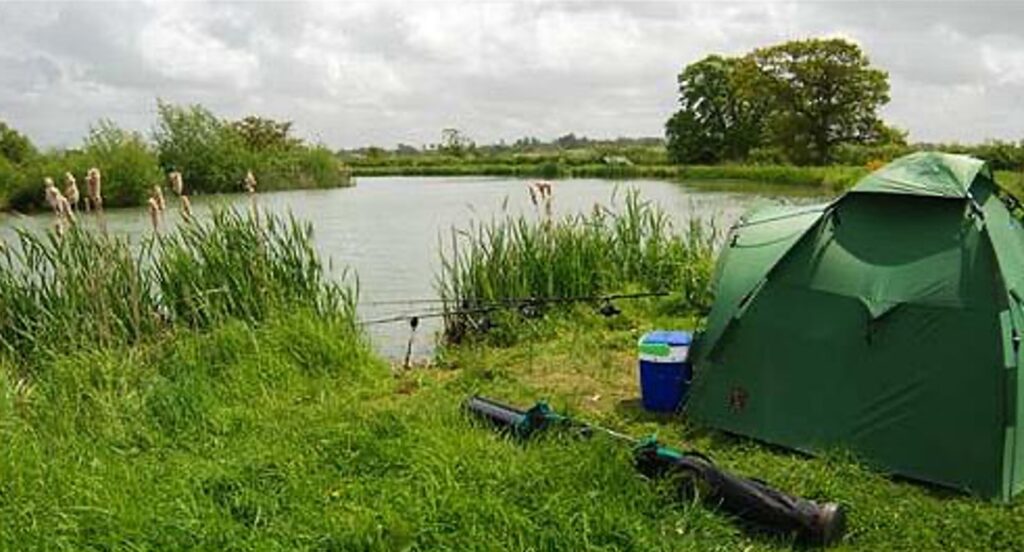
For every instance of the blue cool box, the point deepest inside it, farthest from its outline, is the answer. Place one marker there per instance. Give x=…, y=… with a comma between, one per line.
x=665, y=370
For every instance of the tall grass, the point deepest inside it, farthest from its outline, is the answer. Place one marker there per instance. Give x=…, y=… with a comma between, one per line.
x=605, y=251
x=87, y=291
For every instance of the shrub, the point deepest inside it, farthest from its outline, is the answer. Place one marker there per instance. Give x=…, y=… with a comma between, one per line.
x=210, y=155
x=128, y=164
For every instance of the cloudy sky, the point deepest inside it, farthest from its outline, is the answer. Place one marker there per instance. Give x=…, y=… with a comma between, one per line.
x=359, y=73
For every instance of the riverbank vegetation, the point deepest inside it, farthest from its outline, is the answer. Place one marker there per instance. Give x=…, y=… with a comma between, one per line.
x=212, y=154
x=510, y=260
x=84, y=289
x=210, y=389
x=608, y=159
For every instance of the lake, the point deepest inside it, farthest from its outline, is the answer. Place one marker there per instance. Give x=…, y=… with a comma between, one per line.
x=388, y=230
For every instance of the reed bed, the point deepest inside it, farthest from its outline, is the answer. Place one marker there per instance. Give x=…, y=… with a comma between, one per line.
x=85, y=290
x=635, y=247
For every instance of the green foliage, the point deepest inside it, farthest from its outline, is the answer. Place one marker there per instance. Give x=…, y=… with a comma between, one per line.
x=291, y=435
x=214, y=155
x=15, y=146
x=129, y=167
x=824, y=93
x=826, y=179
x=86, y=290
x=720, y=116
x=607, y=251
x=24, y=191
x=128, y=163
x=795, y=102
x=208, y=153
x=262, y=134
x=8, y=176
x=236, y=266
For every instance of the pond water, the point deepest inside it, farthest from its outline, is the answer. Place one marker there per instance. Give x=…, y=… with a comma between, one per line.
x=389, y=230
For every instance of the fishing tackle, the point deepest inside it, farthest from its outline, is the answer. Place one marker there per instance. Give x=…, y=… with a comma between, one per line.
x=750, y=500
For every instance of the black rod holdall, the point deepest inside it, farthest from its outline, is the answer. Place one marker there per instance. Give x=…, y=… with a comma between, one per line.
x=752, y=501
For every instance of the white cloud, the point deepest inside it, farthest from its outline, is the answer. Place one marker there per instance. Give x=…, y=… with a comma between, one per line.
x=176, y=46
x=1005, y=61
x=364, y=72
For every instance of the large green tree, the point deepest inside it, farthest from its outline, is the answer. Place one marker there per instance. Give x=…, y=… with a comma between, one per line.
x=802, y=98
x=720, y=115
x=824, y=93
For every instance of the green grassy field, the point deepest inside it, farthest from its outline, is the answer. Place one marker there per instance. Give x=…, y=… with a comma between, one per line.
x=259, y=418
x=292, y=435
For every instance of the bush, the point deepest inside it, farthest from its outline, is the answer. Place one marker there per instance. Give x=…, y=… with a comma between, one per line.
x=8, y=173
x=209, y=154
x=25, y=189
x=128, y=164
x=214, y=155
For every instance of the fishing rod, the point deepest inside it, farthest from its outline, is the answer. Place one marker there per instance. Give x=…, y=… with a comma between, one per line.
x=751, y=500
x=499, y=304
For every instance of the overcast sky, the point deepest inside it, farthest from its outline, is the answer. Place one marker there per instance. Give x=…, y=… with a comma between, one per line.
x=384, y=72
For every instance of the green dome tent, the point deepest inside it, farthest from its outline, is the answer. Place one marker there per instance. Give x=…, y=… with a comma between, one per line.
x=886, y=322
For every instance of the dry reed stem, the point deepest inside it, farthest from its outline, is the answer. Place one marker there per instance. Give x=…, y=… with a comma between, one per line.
x=186, y=208
x=158, y=195
x=177, y=183
x=250, y=187
x=71, y=190
x=250, y=182
x=154, y=213
x=52, y=193
x=94, y=179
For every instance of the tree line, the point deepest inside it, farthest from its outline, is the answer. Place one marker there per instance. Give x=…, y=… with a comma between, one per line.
x=212, y=154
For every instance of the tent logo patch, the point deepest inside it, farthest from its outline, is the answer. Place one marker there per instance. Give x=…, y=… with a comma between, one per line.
x=738, y=399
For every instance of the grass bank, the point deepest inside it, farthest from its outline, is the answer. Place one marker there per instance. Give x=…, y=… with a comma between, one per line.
x=587, y=365
x=254, y=416
x=290, y=435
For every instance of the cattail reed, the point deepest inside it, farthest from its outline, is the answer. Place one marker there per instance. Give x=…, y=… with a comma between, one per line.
x=249, y=183
x=59, y=204
x=177, y=184
x=158, y=195
x=94, y=181
x=53, y=195
x=154, y=213
x=542, y=190
x=71, y=190
x=178, y=187
x=89, y=290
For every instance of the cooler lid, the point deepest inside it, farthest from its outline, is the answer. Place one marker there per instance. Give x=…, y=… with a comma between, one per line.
x=672, y=338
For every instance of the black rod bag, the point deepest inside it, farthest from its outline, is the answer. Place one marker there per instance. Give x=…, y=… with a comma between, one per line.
x=750, y=500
